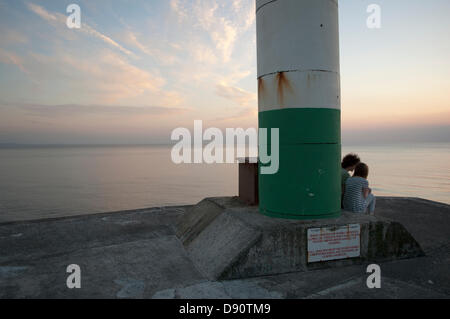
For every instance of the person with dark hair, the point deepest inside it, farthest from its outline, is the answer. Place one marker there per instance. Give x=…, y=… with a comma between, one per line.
x=349, y=163
x=358, y=197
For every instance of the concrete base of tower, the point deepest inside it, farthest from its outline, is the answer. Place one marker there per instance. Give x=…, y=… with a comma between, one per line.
x=227, y=239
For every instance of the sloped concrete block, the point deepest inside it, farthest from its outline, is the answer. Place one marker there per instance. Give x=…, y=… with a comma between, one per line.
x=228, y=240
x=221, y=244
x=198, y=217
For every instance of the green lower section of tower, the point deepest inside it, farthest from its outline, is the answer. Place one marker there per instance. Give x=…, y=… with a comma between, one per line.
x=307, y=184
x=304, y=126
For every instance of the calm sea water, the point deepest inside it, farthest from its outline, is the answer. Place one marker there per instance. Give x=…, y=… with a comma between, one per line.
x=41, y=182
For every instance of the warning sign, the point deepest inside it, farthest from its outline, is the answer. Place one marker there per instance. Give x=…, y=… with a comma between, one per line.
x=331, y=243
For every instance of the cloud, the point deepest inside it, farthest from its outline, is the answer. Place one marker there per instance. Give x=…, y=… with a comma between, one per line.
x=86, y=124
x=11, y=58
x=100, y=77
x=245, y=10
x=217, y=38
x=177, y=7
x=247, y=113
x=222, y=23
x=9, y=36
x=162, y=56
x=235, y=94
x=203, y=54
x=89, y=30
x=68, y=110
x=58, y=20
x=44, y=14
x=221, y=30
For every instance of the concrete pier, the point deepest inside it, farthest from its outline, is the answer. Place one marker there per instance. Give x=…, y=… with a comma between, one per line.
x=136, y=254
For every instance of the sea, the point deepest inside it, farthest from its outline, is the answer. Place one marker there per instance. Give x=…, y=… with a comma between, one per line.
x=53, y=181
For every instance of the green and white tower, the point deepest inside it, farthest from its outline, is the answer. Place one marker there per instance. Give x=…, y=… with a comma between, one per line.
x=299, y=93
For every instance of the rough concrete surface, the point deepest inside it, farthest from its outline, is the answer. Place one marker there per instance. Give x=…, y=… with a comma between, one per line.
x=137, y=254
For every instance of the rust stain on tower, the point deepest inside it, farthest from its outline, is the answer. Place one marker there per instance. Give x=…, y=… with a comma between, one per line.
x=261, y=86
x=282, y=84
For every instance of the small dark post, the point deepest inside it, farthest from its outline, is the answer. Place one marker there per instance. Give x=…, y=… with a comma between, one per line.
x=248, y=181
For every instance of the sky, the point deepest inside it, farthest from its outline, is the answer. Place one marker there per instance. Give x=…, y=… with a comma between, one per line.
x=136, y=70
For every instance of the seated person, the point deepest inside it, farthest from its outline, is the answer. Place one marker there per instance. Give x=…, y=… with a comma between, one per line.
x=358, y=197
x=348, y=165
